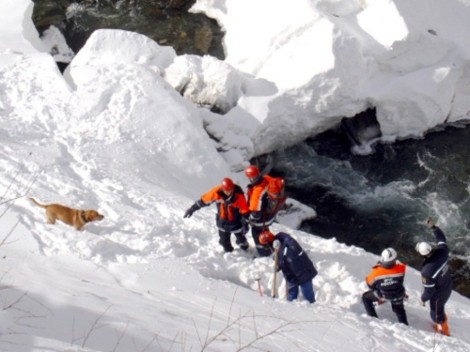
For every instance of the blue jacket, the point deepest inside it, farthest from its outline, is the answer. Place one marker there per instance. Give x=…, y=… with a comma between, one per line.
x=293, y=261
x=435, y=274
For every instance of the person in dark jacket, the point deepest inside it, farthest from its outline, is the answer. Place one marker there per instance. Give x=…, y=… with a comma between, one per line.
x=385, y=281
x=294, y=263
x=232, y=212
x=436, y=277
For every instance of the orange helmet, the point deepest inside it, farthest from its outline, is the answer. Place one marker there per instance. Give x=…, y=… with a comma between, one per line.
x=251, y=171
x=227, y=185
x=266, y=237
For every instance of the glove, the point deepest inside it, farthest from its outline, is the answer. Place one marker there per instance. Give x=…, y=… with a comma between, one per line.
x=246, y=217
x=255, y=216
x=188, y=213
x=276, y=244
x=429, y=223
x=191, y=210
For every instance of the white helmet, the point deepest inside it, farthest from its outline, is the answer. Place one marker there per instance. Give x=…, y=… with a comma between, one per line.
x=388, y=257
x=423, y=248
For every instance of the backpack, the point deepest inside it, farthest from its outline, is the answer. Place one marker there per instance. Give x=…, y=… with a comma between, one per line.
x=276, y=194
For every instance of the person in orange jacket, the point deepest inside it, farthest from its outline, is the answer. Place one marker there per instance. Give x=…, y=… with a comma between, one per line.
x=260, y=216
x=232, y=212
x=385, y=281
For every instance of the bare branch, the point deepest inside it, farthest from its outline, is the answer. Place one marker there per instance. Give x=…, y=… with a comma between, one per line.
x=9, y=233
x=15, y=302
x=13, y=181
x=11, y=200
x=94, y=326
x=120, y=337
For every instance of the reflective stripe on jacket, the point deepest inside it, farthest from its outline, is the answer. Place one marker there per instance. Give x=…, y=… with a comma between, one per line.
x=230, y=210
x=387, y=282
x=257, y=195
x=435, y=274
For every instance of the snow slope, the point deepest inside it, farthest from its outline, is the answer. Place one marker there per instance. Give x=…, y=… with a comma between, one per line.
x=114, y=135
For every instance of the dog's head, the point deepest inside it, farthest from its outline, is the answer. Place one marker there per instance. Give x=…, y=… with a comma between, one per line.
x=92, y=215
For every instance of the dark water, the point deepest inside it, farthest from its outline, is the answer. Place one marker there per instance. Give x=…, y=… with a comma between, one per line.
x=383, y=199
x=165, y=21
x=372, y=201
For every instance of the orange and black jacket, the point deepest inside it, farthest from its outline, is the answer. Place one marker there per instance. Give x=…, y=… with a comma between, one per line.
x=257, y=194
x=387, y=283
x=230, y=210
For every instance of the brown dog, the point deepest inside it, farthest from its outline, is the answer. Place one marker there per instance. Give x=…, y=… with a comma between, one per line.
x=74, y=217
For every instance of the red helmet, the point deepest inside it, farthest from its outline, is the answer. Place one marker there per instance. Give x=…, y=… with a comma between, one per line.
x=251, y=171
x=227, y=185
x=266, y=237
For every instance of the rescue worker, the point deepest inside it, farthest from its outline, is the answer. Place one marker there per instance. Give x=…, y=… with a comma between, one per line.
x=296, y=266
x=385, y=281
x=232, y=212
x=260, y=216
x=435, y=274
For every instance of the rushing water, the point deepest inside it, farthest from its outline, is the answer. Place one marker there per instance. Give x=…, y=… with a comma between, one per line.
x=165, y=21
x=383, y=199
x=372, y=201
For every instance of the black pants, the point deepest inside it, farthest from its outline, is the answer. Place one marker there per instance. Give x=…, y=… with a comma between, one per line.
x=224, y=240
x=368, y=298
x=263, y=251
x=437, y=312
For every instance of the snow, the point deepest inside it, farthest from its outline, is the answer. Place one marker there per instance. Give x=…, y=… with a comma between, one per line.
x=54, y=41
x=330, y=59
x=115, y=134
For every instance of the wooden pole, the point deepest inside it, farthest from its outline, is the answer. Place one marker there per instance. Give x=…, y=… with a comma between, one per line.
x=274, y=288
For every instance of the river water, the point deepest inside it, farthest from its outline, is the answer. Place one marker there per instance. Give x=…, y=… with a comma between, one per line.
x=382, y=199
x=165, y=21
x=371, y=201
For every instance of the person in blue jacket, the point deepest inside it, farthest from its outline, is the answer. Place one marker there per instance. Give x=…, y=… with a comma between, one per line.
x=436, y=277
x=294, y=263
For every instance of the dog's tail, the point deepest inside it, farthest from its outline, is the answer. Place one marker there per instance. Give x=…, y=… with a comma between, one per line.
x=37, y=203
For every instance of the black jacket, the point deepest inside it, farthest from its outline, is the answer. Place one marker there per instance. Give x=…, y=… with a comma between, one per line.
x=293, y=261
x=435, y=274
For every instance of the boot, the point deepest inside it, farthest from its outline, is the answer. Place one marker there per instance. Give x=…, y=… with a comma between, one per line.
x=400, y=312
x=442, y=328
x=245, y=246
x=228, y=249
x=402, y=318
x=369, y=304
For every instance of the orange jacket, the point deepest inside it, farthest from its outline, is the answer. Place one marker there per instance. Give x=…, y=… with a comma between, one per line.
x=257, y=194
x=387, y=282
x=258, y=203
x=230, y=210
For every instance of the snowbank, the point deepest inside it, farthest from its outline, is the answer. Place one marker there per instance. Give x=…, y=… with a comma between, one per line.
x=334, y=59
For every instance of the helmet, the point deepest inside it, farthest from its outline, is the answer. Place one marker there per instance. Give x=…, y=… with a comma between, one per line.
x=423, y=248
x=388, y=257
x=251, y=171
x=266, y=237
x=227, y=185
